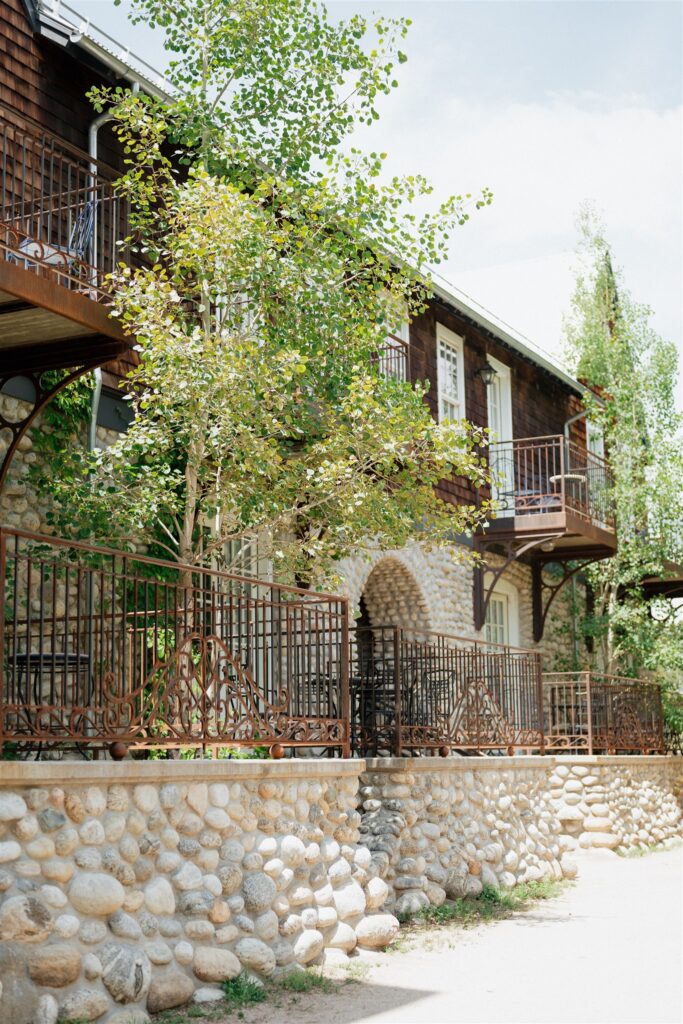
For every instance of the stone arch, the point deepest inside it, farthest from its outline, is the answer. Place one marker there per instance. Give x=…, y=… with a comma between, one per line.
x=391, y=596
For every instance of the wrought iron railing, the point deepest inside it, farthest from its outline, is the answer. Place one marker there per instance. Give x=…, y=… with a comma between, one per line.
x=540, y=475
x=393, y=359
x=102, y=647
x=60, y=215
x=592, y=713
x=413, y=691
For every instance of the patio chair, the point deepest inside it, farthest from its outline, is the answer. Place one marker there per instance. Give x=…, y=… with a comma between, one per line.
x=32, y=251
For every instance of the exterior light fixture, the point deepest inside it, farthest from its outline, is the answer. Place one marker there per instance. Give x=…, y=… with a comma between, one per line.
x=487, y=374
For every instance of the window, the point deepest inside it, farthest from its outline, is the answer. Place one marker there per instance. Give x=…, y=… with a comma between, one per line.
x=502, y=615
x=450, y=374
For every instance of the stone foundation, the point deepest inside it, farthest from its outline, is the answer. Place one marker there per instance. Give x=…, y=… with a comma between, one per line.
x=442, y=828
x=130, y=888
x=619, y=803
x=136, y=887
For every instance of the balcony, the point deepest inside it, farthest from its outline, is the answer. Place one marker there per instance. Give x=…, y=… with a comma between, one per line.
x=429, y=692
x=553, y=488
x=60, y=224
x=393, y=359
x=110, y=649
x=591, y=713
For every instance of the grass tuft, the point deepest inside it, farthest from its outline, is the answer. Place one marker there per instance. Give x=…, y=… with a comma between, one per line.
x=243, y=990
x=490, y=905
x=306, y=981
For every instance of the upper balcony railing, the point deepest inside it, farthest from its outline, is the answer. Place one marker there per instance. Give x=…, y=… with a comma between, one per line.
x=536, y=476
x=422, y=691
x=60, y=216
x=393, y=359
x=100, y=647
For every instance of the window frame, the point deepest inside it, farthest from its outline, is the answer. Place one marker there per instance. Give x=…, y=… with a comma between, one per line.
x=509, y=594
x=457, y=343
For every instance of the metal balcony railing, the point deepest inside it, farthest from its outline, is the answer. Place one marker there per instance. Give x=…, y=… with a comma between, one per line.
x=420, y=691
x=535, y=476
x=101, y=646
x=393, y=359
x=60, y=215
x=593, y=713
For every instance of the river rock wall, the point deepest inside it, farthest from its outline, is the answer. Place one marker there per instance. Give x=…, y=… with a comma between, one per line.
x=441, y=828
x=618, y=803
x=126, y=889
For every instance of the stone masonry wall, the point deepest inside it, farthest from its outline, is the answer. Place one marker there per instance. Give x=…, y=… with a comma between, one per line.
x=132, y=888
x=441, y=828
x=618, y=802
x=421, y=589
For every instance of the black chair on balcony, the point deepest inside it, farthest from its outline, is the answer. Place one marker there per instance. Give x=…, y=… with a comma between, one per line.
x=32, y=251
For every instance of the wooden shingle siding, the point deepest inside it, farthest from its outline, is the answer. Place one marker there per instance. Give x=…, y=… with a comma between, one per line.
x=541, y=404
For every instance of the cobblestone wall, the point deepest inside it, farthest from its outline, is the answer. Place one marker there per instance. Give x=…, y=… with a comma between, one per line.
x=135, y=888
x=441, y=828
x=618, y=802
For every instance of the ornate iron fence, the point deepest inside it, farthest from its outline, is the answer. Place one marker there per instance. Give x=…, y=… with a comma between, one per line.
x=540, y=475
x=414, y=691
x=101, y=647
x=591, y=713
x=60, y=215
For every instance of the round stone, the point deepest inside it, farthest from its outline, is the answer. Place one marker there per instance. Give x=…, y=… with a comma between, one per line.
x=12, y=807
x=308, y=946
x=376, y=892
x=124, y=926
x=93, y=932
x=187, y=877
x=145, y=798
x=96, y=895
x=168, y=991
x=24, y=919
x=159, y=953
x=9, y=851
x=92, y=966
x=159, y=897
x=349, y=900
x=377, y=931
x=258, y=892
x=55, y=966
x=126, y=972
x=343, y=937
x=292, y=851
x=212, y=964
x=184, y=953
x=85, y=1004
x=256, y=955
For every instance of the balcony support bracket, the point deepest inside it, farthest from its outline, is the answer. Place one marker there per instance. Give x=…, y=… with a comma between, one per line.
x=44, y=390
x=486, y=576
x=543, y=593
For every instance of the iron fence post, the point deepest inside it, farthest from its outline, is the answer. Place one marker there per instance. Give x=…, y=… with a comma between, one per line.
x=541, y=709
x=344, y=682
x=398, y=746
x=589, y=711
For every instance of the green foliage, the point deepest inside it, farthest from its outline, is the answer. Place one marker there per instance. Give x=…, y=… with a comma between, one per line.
x=274, y=267
x=633, y=373
x=305, y=981
x=243, y=991
x=490, y=905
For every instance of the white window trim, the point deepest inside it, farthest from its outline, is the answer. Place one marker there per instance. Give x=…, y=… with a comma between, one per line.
x=510, y=592
x=457, y=343
x=596, y=436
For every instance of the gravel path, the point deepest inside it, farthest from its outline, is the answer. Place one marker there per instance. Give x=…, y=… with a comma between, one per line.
x=610, y=949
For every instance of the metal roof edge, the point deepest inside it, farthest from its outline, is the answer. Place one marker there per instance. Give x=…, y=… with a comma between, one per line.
x=505, y=335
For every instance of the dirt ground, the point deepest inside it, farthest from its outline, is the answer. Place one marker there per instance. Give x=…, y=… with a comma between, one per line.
x=609, y=949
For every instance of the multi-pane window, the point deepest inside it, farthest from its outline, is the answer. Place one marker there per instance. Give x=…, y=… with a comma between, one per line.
x=498, y=620
x=450, y=374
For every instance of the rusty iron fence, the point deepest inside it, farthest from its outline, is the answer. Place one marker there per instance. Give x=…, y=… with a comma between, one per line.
x=393, y=359
x=592, y=713
x=60, y=215
x=421, y=691
x=101, y=647
x=541, y=475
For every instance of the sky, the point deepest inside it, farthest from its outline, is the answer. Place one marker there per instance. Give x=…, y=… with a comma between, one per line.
x=551, y=104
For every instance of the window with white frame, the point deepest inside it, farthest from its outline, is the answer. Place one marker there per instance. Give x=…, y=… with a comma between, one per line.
x=502, y=615
x=450, y=365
